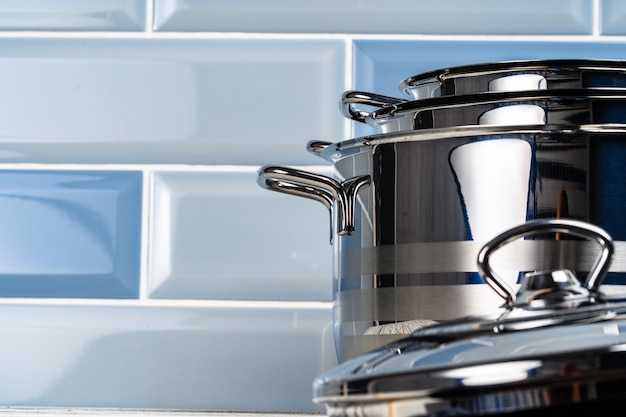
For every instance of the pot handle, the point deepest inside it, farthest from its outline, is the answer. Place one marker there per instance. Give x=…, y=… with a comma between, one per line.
x=352, y=97
x=317, y=146
x=566, y=226
x=320, y=188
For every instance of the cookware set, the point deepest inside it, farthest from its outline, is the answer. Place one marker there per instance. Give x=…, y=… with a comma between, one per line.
x=523, y=158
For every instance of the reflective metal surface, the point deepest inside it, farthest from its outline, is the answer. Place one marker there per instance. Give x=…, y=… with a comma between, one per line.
x=550, y=282
x=571, y=106
x=555, y=343
x=436, y=196
x=498, y=374
x=319, y=188
x=516, y=76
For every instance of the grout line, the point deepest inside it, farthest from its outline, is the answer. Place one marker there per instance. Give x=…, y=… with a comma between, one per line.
x=36, y=411
x=167, y=35
x=149, y=18
x=299, y=36
x=146, y=217
x=139, y=166
x=172, y=303
x=597, y=18
x=349, y=82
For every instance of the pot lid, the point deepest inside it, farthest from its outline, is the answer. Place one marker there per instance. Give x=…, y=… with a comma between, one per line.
x=544, y=66
x=557, y=341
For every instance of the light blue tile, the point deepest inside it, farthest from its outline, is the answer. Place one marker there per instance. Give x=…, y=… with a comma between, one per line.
x=70, y=233
x=380, y=66
x=250, y=357
x=613, y=17
x=218, y=235
x=73, y=15
x=218, y=101
x=370, y=16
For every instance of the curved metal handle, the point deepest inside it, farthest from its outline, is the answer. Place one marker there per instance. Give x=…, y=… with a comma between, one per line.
x=317, y=146
x=350, y=98
x=562, y=226
x=317, y=187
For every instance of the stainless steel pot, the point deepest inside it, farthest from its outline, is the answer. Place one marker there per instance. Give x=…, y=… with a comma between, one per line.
x=557, y=345
x=508, y=108
x=553, y=74
x=411, y=210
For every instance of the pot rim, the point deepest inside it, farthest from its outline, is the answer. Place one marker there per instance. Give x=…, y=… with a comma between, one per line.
x=385, y=113
x=515, y=66
x=331, y=152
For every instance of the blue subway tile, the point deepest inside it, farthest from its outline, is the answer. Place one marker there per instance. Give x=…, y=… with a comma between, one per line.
x=613, y=17
x=70, y=233
x=370, y=16
x=217, y=101
x=255, y=357
x=73, y=15
x=380, y=65
x=218, y=235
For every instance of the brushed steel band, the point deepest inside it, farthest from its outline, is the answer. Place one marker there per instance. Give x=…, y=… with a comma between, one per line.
x=425, y=302
x=382, y=313
x=460, y=256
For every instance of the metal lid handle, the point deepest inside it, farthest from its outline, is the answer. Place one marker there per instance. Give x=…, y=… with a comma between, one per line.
x=533, y=227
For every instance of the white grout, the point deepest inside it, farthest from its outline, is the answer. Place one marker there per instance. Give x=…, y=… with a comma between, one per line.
x=146, y=216
x=149, y=18
x=349, y=83
x=133, y=412
x=348, y=37
x=597, y=18
x=141, y=167
x=173, y=303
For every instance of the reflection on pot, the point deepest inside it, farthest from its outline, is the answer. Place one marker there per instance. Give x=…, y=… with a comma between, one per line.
x=493, y=180
x=518, y=82
x=514, y=114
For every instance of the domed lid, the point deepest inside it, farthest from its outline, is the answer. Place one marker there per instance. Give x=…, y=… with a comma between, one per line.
x=557, y=341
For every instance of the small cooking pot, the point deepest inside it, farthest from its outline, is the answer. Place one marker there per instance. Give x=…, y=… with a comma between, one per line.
x=557, y=344
x=508, y=108
x=553, y=74
x=411, y=210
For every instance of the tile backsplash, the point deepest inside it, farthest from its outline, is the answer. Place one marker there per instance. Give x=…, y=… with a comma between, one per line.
x=141, y=265
x=70, y=233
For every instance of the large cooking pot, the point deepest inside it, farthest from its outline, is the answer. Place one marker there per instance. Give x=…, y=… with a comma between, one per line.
x=508, y=108
x=412, y=209
x=557, y=345
x=553, y=74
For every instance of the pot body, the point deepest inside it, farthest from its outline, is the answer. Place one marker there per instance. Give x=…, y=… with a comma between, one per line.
x=516, y=76
x=435, y=197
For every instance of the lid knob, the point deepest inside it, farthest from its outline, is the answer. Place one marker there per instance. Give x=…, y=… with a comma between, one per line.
x=558, y=288
x=549, y=288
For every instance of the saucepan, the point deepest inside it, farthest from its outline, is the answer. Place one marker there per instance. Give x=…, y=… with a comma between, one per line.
x=552, y=74
x=577, y=106
x=410, y=211
x=555, y=346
